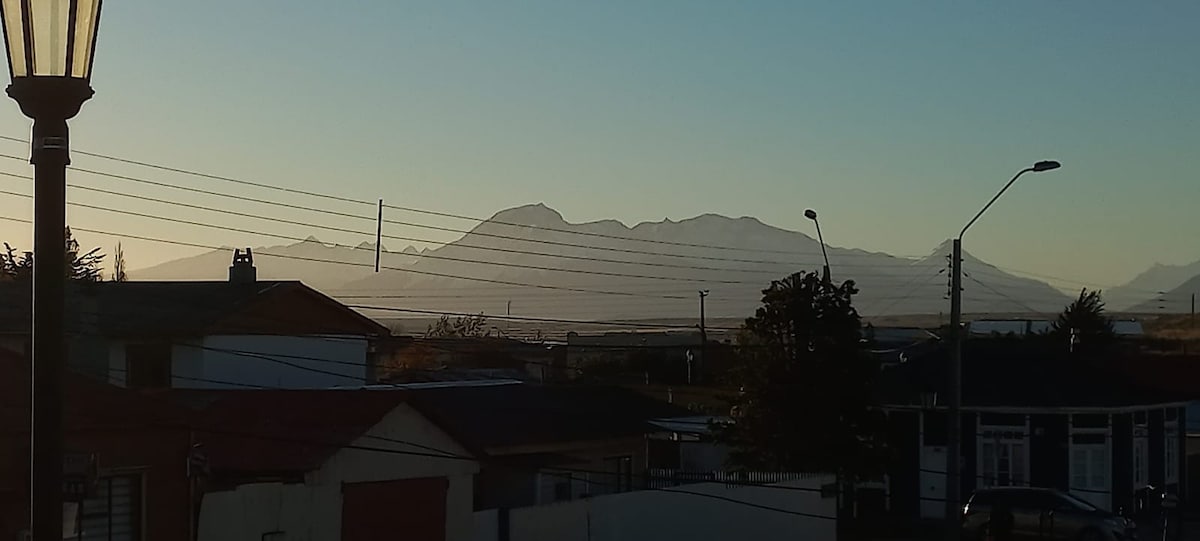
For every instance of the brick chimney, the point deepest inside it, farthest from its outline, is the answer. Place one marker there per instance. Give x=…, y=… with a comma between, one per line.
x=242, y=271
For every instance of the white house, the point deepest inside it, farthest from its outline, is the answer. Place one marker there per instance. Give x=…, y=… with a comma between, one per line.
x=350, y=465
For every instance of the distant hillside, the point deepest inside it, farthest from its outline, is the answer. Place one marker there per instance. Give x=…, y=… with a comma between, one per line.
x=675, y=265
x=1146, y=285
x=1175, y=301
x=530, y=261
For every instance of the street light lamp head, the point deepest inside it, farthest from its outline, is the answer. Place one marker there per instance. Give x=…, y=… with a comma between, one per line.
x=1046, y=166
x=51, y=45
x=50, y=38
x=810, y=214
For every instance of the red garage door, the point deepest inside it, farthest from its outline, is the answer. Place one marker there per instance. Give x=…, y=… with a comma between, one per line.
x=409, y=509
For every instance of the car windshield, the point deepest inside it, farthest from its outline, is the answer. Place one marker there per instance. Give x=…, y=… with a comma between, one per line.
x=1078, y=502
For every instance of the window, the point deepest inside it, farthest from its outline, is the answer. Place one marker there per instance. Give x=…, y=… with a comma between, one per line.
x=1171, y=452
x=1089, y=468
x=1141, y=468
x=114, y=511
x=148, y=365
x=1003, y=463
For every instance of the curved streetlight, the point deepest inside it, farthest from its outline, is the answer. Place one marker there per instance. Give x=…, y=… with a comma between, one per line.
x=954, y=428
x=51, y=45
x=812, y=215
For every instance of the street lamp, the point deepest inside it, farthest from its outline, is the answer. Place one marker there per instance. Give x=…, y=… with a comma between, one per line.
x=51, y=45
x=954, y=429
x=812, y=215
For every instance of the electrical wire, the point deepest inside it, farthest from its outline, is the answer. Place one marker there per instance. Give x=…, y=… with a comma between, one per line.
x=295, y=191
x=427, y=226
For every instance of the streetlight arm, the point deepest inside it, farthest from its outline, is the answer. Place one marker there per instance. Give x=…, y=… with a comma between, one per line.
x=994, y=198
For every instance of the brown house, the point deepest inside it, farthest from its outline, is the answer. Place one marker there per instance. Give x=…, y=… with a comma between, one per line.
x=137, y=448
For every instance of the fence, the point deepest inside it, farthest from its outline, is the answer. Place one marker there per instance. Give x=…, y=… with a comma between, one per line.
x=666, y=478
x=791, y=510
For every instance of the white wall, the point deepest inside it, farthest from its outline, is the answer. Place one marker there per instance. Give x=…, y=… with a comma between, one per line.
x=655, y=515
x=312, y=511
x=281, y=368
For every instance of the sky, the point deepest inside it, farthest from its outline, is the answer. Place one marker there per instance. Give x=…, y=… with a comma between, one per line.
x=896, y=120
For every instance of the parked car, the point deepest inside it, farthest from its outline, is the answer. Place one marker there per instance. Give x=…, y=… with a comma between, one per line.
x=1043, y=513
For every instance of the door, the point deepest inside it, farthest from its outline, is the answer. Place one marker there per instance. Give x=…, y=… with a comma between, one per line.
x=407, y=509
x=933, y=483
x=1141, y=458
x=1089, y=474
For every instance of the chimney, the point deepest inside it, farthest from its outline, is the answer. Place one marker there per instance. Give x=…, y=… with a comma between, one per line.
x=242, y=271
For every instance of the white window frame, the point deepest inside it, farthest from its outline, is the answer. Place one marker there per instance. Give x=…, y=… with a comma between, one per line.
x=1087, y=493
x=1170, y=452
x=1013, y=442
x=1141, y=449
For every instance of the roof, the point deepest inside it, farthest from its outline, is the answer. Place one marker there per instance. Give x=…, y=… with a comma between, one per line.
x=1022, y=373
x=263, y=432
x=695, y=424
x=489, y=418
x=187, y=308
x=1036, y=326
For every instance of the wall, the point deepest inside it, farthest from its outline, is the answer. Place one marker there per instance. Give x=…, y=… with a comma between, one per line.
x=654, y=515
x=312, y=510
x=156, y=453
x=284, y=371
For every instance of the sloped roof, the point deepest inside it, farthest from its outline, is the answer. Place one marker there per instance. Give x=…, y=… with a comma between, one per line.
x=491, y=417
x=164, y=308
x=1026, y=374
x=263, y=432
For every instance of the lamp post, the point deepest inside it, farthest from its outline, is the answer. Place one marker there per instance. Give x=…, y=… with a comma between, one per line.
x=812, y=215
x=51, y=45
x=954, y=423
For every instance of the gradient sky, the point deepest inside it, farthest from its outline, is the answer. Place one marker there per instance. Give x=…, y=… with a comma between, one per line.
x=897, y=120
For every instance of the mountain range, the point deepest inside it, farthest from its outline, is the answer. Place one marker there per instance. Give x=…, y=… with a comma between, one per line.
x=529, y=261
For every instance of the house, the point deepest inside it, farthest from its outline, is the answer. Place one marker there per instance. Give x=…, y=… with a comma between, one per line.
x=1034, y=414
x=124, y=453
x=239, y=333
x=354, y=465
x=542, y=444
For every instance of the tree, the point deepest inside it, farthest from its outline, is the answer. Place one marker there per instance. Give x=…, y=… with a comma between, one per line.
x=805, y=381
x=460, y=327
x=1083, y=321
x=84, y=267
x=119, y=274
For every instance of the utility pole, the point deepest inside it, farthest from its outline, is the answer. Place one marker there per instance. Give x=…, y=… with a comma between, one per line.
x=954, y=419
x=378, y=235
x=1193, y=309
x=703, y=333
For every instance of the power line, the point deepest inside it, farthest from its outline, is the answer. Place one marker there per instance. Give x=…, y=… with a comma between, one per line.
x=1010, y=299
x=424, y=256
x=401, y=238
x=420, y=225
x=414, y=239
x=395, y=207
x=350, y=263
